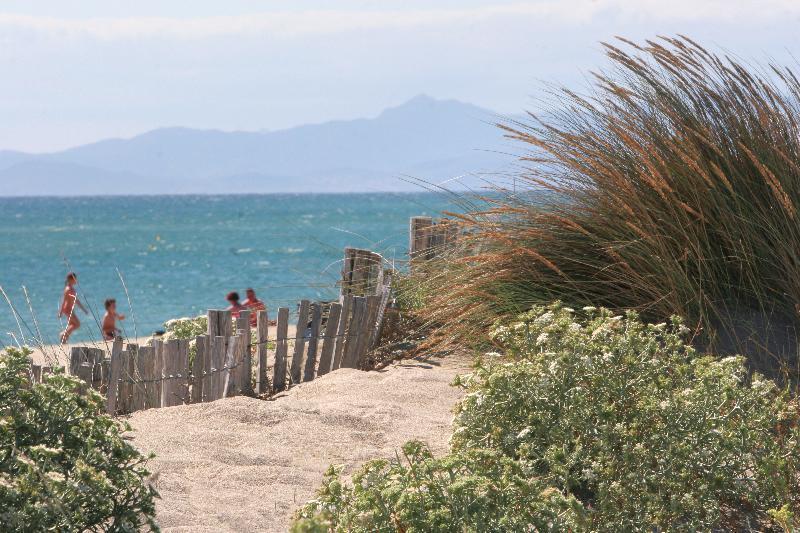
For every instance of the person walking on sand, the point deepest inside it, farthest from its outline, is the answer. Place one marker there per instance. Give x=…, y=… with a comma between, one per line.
x=235, y=308
x=110, y=330
x=67, y=308
x=254, y=305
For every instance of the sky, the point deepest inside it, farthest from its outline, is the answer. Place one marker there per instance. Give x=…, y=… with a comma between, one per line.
x=84, y=70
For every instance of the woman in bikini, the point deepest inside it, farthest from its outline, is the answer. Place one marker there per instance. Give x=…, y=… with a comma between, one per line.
x=67, y=308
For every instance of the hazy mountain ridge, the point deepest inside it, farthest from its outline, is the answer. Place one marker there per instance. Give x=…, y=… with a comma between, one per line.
x=425, y=138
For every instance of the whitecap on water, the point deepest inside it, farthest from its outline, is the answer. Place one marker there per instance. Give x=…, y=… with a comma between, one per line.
x=294, y=250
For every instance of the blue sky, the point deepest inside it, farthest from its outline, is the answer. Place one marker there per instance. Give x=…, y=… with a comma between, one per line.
x=79, y=71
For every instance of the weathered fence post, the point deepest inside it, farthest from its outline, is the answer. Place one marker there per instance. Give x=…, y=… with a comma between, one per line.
x=220, y=323
x=113, y=378
x=169, y=371
x=130, y=372
x=197, y=368
x=281, y=350
x=262, y=334
x=344, y=321
x=362, y=272
x=217, y=362
x=230, y=358
x=140, y=363
x=299, y=342
x=245, y=371
x=354, y=332
x=313, y=342
x=181, y=389
x=366, y=329
x=329, y=340
x=419, y=237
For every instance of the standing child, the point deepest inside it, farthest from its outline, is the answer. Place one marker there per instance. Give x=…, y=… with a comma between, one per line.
x=110, y=320
x=67, y=308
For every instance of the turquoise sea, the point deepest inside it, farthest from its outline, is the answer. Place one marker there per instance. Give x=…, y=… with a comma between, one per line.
x=180, y=255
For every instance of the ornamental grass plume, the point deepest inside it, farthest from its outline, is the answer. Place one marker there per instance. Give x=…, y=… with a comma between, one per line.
x=671, y=188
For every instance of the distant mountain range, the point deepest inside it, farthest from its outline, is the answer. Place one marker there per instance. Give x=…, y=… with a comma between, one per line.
x=425, y=138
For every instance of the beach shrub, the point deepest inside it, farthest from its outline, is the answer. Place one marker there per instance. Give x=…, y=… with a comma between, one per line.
x=185, y=328
x=673, y=189
x=64, y=464
x=604, y=423
x=477, y=490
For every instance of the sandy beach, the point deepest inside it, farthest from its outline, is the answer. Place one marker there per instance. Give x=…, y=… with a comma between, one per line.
x=241, y=464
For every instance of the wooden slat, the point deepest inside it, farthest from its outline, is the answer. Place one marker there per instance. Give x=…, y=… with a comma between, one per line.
x=170, y=356
x=123, y=388
x=366, y=329
x=212, y=329
x=329, y=341
x=208, y=376
x=262, y=337
x=200, y=344
x=128, y=376
x=145, y=363
x=344, y=320
x=155, y=370
x=354, y=332
x=378, y=328
x=281, y=350
x=76, y=357
x=419, y=237
x=230, y=359
x=96, y=358
x=217, y=361
x=245, y=371
x=180, y=389
x=313, y=342
x=225, y=324
x=299, y=343
x=133, y=375
x=113, y=380
x=139, y=393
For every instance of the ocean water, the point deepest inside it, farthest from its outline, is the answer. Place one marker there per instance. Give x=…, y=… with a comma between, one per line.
x=180, y=255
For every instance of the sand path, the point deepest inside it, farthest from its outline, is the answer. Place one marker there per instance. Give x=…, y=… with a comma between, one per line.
x=241, y=464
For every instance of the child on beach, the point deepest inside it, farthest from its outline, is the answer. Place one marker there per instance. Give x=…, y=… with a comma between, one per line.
x=110, y=320
x=235, y=307
x=69, y=300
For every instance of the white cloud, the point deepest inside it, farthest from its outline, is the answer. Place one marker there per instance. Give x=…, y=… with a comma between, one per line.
x=289, y=23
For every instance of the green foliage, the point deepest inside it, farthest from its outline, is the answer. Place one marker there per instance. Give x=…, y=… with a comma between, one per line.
x=591, y=423
x=476, y=490
x=185, y=328
x=64, y=465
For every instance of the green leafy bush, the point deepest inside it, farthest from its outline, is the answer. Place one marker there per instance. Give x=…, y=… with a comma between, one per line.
x=623, y=417
x=477, y=490
x=64, y=465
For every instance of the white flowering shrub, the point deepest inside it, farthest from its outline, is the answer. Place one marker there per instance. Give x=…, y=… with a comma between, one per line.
x=64, y=465
x=185, y=328
x=590, y=422
x=626, y=417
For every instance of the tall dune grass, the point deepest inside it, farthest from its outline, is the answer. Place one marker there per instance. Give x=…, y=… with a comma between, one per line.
x=674, y=189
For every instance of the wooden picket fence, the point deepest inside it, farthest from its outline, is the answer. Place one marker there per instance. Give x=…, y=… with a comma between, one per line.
x=430, y=238
x=230, y=359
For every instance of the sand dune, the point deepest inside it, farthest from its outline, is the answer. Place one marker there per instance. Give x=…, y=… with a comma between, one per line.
x=241, y=464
